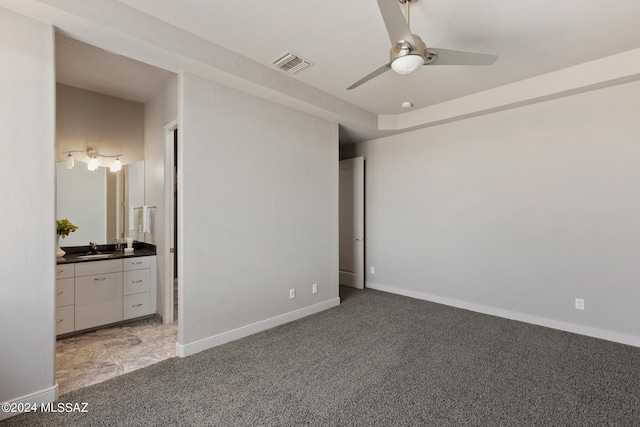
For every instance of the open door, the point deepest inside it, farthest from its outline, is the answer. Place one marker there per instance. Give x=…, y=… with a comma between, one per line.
x=351, y=267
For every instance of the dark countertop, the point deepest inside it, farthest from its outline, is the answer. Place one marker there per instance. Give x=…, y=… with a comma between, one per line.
x=74, y=252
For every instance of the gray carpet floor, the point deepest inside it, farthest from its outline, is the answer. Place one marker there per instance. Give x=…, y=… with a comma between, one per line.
x=377, y=360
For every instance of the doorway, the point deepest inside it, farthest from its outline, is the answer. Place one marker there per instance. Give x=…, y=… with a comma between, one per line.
x=351, y=223
x=91, y=102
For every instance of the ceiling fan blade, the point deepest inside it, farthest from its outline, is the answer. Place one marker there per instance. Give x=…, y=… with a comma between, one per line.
x=370, y=76
x=458, y=57
x=394, y=21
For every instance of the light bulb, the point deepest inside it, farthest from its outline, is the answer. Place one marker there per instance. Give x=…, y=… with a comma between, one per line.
x=68, y=163
x=407, y=64
x=116, y=166
x=93, y=164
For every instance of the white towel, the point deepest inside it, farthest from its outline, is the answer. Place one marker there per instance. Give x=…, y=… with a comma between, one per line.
x=152, y=219
x=146, y=221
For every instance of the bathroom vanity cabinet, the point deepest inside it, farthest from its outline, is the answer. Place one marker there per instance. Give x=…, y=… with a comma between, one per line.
x=96, y=293
x=65, y=298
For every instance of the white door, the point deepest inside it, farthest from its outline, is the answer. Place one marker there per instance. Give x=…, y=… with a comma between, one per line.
x=352, y=222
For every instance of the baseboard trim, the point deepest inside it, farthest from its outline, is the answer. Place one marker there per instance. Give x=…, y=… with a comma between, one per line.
x=347, y=278
x=244, y=331
x=513, y=315
x=46, y=395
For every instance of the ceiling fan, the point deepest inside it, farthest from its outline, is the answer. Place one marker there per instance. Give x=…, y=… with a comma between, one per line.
x=408, y=51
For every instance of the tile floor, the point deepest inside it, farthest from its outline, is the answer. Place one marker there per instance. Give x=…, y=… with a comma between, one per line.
x=94, y=357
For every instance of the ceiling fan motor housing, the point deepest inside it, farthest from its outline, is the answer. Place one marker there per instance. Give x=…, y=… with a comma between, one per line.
x=403, y=48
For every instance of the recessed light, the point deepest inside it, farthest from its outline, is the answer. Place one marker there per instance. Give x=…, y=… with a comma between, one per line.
x=407, y=104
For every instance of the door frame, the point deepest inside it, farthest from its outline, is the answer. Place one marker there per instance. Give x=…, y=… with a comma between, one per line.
x=169, y=244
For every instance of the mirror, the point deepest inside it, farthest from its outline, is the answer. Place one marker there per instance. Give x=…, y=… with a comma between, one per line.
x=98, y=201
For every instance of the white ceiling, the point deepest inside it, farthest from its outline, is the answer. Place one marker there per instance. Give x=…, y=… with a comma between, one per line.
x=87, y=67
x=348, y=39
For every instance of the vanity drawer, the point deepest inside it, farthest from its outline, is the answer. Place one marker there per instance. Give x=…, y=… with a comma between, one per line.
x=136, y=305
x=136, y=281
x=64, y=292
x=98, y=267
x=137, y=263
x=64, y=271
x=98, y=300
x=64, y=319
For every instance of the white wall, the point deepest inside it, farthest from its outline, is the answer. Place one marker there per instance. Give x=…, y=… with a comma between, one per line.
x=160, y=111
x=105, y=123
x=27, y=171
x=135, y=184
x=258, y=199
x=516, y=213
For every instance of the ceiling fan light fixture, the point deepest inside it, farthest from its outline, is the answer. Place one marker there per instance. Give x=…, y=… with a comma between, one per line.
x=407, y=64
x=408, y=51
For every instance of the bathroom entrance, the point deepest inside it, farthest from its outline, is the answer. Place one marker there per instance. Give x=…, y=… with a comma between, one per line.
x=121, y=117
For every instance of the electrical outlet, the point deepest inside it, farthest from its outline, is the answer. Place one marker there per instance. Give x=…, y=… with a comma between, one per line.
x=579, y=304
x=314, y=288
x=292, y=293
x=373, y=270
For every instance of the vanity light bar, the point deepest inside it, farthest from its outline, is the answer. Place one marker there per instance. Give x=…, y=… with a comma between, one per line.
x=93, y=162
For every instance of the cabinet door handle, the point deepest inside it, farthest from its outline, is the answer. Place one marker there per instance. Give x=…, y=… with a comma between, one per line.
x=136, y=263
x=60, y=293
x=136, y=305
x=61, y=320
x=100, y=279
x=136, y=281
x=60, y=271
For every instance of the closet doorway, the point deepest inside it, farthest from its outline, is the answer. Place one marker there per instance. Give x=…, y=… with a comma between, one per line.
x=351, y=222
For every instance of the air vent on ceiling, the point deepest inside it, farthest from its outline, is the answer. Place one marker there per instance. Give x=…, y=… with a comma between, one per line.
x=291, y=62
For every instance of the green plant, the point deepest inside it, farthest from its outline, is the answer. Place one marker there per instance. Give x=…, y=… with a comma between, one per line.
x=64, y=227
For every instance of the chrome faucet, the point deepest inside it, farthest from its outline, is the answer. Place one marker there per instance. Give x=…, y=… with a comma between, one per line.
x=94, y=247
x=118, y=244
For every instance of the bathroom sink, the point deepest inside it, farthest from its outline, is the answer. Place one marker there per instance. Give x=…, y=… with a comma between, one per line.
x=98, y=256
